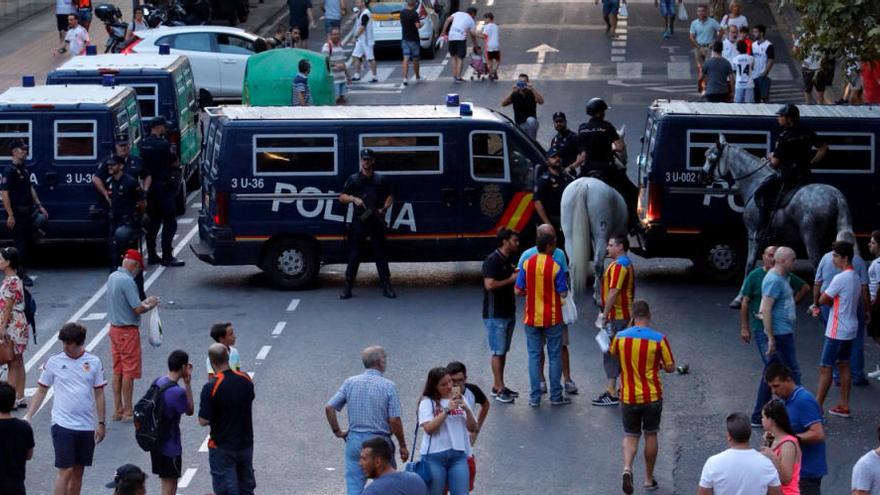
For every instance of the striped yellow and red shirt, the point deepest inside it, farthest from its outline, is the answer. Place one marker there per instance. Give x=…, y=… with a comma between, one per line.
x=641, y=352
x=543, y=280
x=620, y=275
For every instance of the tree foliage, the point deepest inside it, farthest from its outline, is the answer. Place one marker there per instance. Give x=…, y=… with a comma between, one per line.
x=845, y=29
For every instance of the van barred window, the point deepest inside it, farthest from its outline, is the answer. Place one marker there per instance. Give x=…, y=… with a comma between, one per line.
x=406, y=154
x=700, y=140
x=12, y=130
x=294, y=154
x=488, y=156
x=76, y=139
x=148, y=99
x=847, y=152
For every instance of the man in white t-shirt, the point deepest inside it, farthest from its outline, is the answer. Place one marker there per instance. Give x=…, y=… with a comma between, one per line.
x=493, y=44
x=866, y=473
x=765, y=55
x=729, y=44
x=363, y=46
x=739, y=470
x=458, y=28
x=76, y=39
x=78, y=408
x=743, y=68
x=844, y=293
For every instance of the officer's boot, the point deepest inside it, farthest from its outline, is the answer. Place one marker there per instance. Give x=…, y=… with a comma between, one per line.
x=387, y=291
x=346, y=292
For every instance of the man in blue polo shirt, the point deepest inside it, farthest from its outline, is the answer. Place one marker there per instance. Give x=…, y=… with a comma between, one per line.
x=806, y=421
x=704, y=31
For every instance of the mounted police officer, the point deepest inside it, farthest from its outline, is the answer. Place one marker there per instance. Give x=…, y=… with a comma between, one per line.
x=564, y=142
x=598, y=143
x=548, y=193
x=132, y=166
x=161, y=188
x=791, y=159
x=371, y=195
x=126, y=210
x=25, y=214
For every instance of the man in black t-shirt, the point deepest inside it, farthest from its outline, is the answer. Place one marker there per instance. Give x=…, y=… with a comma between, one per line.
x=565, y=142
x=409, y=42
x=525, y=100
x=499, y=307
x=17, y=446
x=226, y=405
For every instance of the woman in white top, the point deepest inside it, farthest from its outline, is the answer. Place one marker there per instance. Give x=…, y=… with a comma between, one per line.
x=734, y=18
x=447, y=420
x=873, y=282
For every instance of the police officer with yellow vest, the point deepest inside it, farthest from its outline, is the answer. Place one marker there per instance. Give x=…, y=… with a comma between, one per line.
x=24, y=211
x=161, y=188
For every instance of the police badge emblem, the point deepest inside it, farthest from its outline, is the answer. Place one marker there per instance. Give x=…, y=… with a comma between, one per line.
x=491, y=202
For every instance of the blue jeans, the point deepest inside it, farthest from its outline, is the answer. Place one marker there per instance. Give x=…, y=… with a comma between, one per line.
x=355, y=479
x=232, y=471
x=553, y=337
x=448, y=468
x=857, y=357
x=785, y=354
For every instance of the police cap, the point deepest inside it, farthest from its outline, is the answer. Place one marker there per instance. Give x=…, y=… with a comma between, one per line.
x=367, y=154
x=790, y=110
x=596, y=105
x=18, y=143
x=122, y=138
x=559, y=116
x=157, y=121
x=552, y=152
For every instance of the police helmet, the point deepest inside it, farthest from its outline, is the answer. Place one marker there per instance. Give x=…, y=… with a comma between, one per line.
x=107, y=12
x=558, y=116
x=367, y=154
x=157, y=121
x=552, y=152
x=790, y=110
x=123, y=236
x=596, y=106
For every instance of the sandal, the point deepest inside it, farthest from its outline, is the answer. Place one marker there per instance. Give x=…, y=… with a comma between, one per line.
x=627, y=483
x=20, y=403
x=653, y=486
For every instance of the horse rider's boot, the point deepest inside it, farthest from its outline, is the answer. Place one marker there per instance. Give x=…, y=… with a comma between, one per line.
x=346, y=292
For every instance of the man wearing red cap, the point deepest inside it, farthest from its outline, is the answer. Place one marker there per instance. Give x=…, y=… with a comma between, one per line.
x=124, y=312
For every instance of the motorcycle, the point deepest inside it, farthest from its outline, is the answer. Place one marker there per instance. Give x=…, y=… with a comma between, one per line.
x=188, y=13
x=111, y=16
x=234, y=11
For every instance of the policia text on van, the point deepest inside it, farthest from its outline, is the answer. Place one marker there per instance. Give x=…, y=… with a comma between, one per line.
x=271, y=178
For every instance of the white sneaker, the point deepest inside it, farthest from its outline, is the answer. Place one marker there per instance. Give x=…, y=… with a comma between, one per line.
x=875, y=373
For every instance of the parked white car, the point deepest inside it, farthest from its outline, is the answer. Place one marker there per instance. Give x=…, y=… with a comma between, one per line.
x=387, y=32
x=218, y=55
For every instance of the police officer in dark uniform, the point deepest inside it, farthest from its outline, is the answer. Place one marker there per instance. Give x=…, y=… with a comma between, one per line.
x=161, y=188
x=126, y=210
x=371, y=195
x=598, y=142
x=791, y=159
x=548, y=193
x=24, y=211
x=132, y=166
x=565, y=142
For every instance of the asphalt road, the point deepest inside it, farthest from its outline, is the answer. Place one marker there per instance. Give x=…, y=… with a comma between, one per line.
x=300, y=346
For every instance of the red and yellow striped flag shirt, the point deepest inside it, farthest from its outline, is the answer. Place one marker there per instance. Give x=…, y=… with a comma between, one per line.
x=543, y=280
x=620, y=275
x=641, y=352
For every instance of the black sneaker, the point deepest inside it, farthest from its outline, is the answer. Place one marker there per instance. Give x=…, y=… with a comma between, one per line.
x=511, y=393
x=173, y=262
x=606, y=399
x=564, y=401
x=504, y=397
x=627, y=482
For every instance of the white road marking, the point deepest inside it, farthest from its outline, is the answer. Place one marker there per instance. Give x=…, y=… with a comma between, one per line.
x=431, y=72
x=184, y=221
x=490, y=3
x=618, y=43
x=293, y=305
x=629, y=70
x=187, y=477
x=196, y=206
x=34, y=277
x=279, y=328
x=678, y=70
x=204, y=446
x=264, y=351
x=618, y=51
x=618, y=59
x=94, y=316
x=576, y=71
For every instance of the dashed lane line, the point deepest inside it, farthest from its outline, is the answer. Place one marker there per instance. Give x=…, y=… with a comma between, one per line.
x=293, y=305
x=279, y=329
x=264, y=352
x=204, y=446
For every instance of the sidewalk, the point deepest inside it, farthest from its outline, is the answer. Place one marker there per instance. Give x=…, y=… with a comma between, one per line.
x=29, y=46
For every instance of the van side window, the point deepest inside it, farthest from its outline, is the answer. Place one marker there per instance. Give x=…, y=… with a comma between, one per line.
x=148, y=99
x=489, y=156
x=75, y=139
x=410, y=154
x=850, y=152
x=700, y=140
x=294, y=154
x=11, y=130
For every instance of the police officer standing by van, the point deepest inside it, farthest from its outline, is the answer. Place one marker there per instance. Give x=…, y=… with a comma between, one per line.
x=131, y=166
x=565, y=142
x=21, y=203
x=126, y=210
x=161, y=188
x=371, y=195
x=548, y=193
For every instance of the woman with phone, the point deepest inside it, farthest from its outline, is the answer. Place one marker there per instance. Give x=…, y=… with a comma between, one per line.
x=781, y=445
x=446, y=419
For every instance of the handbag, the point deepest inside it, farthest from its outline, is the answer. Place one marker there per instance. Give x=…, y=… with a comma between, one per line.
x=7, y=350
x=420, y=467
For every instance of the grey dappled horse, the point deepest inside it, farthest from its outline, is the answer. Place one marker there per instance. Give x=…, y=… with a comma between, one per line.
x=815, y=214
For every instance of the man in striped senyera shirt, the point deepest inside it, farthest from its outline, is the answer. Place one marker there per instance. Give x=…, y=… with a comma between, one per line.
x=641, y=352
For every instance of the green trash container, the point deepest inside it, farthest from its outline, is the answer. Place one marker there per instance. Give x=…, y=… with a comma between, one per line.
x=268, y=78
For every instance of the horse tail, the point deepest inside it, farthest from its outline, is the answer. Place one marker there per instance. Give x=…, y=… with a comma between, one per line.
x=844, y=222
x=579, y=241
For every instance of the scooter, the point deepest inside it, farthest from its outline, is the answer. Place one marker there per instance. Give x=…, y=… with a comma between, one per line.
x=111, y=16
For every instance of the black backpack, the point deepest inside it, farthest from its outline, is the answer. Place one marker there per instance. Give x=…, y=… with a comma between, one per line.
x=148, y=414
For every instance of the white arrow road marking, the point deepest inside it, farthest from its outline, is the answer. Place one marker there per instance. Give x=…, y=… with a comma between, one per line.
x=542, y=51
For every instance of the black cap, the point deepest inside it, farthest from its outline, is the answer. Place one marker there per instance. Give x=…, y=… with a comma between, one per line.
x=559, y=116
x=18, y=143
x=159, y=120
x=368, y=154
x=114, y=160
x=122, y=137
x=552, y=152
x=596, y=105
x=124, y=472
x=789, y=110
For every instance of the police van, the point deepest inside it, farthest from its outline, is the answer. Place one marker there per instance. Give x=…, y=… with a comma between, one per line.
x=164, y=86
x=687, y=219
x=271, y=178
x=68, y=133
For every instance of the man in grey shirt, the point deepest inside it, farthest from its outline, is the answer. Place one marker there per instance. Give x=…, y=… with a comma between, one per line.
x=124, y=309
x=866, y=473
x=717, y=75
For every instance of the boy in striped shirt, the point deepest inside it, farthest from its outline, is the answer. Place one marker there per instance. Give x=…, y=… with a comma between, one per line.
x=641, y=353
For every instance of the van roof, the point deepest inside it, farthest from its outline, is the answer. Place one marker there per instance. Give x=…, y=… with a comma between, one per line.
x=675, y=107
x=92, y=63
x=353, y=112
x=62, y=95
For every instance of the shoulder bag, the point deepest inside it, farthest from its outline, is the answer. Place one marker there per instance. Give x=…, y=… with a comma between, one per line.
x=420, y=467
x=7, y=350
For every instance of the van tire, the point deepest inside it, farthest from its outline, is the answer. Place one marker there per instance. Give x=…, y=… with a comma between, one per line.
x=720, y=260
x=292, y=264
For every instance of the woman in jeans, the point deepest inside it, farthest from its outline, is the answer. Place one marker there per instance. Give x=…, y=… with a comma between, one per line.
x=782, y=446
x=447, y=421
x=13, y=323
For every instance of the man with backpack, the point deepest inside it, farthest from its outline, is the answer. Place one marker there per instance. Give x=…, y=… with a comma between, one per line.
x=157, y=420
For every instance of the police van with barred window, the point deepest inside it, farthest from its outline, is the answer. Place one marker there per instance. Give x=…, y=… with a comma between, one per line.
x=271, y=178
x=686, y=219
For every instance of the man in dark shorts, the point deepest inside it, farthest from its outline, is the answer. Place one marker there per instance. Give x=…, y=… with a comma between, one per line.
x=167, y=458
x=301, y=17
x=641, y=391
x=459, y=26
x=493, y=45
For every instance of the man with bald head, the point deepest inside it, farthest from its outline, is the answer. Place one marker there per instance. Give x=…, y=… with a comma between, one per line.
x=752, y=328
x=373, y=411
x=226, y=406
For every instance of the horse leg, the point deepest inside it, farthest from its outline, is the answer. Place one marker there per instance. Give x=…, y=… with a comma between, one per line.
x=600, y=241
x=749, y=264
x=813, y=244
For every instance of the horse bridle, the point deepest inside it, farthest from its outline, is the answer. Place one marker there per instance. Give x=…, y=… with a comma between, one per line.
x=714, y=163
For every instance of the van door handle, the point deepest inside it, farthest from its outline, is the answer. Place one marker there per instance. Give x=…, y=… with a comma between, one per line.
x=51, y=179
x=470, y=195
x=449, y=196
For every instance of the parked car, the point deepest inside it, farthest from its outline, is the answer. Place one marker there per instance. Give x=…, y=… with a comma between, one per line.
x=218, y=55
x=386, y=15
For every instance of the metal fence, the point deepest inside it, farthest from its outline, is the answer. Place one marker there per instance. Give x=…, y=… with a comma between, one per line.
x=12, y=11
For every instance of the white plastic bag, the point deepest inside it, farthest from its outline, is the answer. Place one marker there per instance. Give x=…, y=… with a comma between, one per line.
x=603, y=340
x=682, y=13
x=569, y=310
x=155, y=324
x=623, y=11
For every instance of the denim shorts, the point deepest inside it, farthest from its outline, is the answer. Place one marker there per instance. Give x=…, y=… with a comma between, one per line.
x=835, y=351
x=610, y=7
x=638, y=418
x=667, y=8
x=499, y=332
x=762, y=87
x=411, y=49
x=72, y=447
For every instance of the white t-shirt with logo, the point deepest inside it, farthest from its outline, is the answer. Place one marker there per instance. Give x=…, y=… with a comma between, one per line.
x=743, y=67
x=739, y=472
x=729, y=51
x=77, y=39
x=492, y=42
x=452, y=434
x=75, y=381
x=462, y=24
x=759, y=51
x=843, y=322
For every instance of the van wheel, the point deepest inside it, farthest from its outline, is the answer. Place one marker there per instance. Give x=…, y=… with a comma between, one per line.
x=720, y=260
x=292, y=264
x=180, y=201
